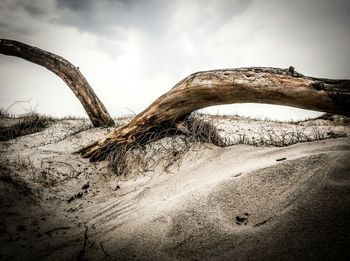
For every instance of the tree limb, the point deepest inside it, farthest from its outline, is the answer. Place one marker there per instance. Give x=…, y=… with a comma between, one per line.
x=243, y=85
x=67, y=72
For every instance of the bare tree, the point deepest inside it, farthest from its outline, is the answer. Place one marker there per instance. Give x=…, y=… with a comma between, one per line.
x=203, y=89
x=70, y=74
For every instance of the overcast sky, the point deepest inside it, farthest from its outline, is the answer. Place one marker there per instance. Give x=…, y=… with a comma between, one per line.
x=133, y=51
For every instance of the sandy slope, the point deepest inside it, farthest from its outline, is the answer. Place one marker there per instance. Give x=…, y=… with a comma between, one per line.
x=235, y=203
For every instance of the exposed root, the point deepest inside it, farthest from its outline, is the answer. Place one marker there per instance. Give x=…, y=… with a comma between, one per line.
x=27, y=124
x=164, y=146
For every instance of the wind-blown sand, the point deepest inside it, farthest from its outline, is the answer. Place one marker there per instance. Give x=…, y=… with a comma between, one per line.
x=236, y=203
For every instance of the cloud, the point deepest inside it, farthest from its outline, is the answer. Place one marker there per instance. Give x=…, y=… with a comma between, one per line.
x=77, y=5
x=106, y=17
x=153, y=17
x=19, y=19
x=34, y=8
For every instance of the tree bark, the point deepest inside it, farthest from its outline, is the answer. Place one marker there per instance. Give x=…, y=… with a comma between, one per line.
x=243, y=85
x=70, y=74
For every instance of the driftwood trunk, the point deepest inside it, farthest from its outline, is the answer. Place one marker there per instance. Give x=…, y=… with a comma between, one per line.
x=203, y=89
x=70, y=74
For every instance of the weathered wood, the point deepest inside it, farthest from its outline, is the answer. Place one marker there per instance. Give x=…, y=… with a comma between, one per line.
x=70, y=74
x=243, y=85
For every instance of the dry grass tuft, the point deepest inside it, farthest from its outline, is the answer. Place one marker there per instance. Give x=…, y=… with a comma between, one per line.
x=26, y=124
x=336, y=120
x=165, y=146
x=4, y=114
x=285, y=137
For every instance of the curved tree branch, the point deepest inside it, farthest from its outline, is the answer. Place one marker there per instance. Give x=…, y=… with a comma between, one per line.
x=70, y=74
x=243, y=85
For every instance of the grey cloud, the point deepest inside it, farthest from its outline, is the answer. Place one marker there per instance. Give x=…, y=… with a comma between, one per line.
x=152, y=17
x=101, y=16
x=76, y=5
x=106, y=17
x=316, y=11
x=34, y=8
x=19, y=18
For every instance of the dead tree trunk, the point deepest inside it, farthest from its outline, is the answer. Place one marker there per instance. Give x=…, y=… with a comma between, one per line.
x=203, y=89
x=67, y=72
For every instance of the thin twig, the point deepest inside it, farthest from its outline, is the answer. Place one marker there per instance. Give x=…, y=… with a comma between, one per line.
x=103, y=250
x=16, y=102
x=82, y=251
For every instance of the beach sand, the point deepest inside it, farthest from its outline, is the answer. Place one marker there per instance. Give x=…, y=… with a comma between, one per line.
x=240, y=202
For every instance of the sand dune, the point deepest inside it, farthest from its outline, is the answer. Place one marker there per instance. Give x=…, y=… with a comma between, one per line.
x=236, y=203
